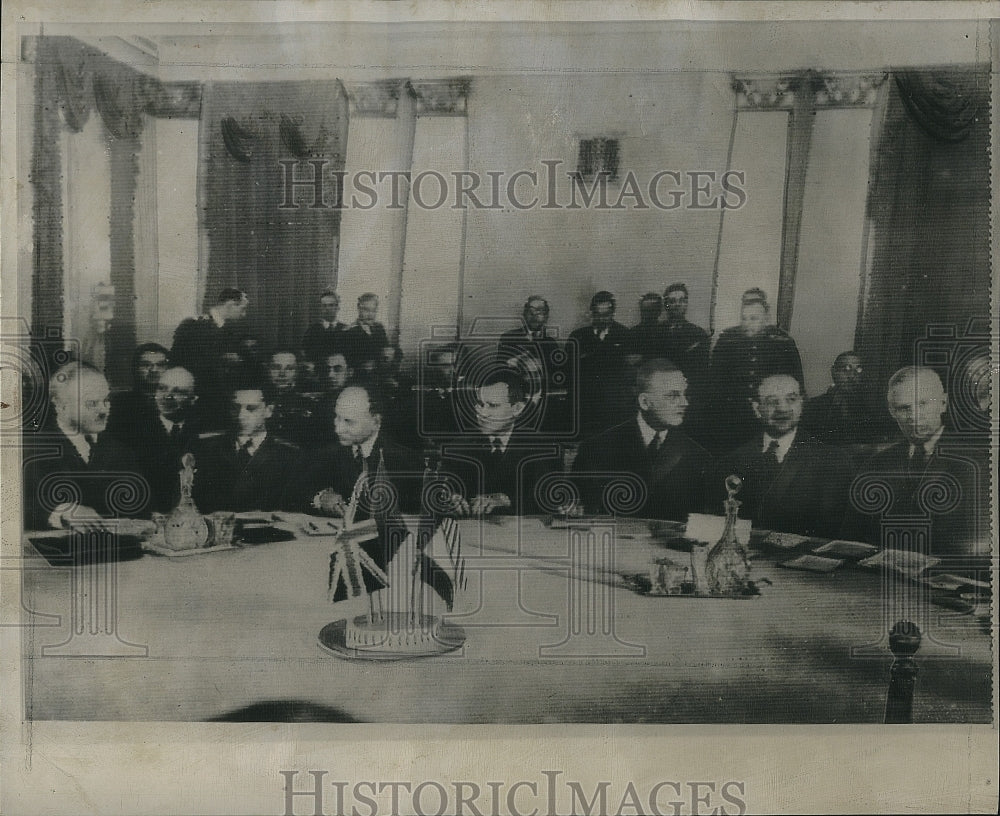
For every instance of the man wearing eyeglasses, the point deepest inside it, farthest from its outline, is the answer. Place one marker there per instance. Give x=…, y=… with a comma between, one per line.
x=842, y=416
x=650, y=454
x=171, y=433
x=791, y=484
x=72, y=467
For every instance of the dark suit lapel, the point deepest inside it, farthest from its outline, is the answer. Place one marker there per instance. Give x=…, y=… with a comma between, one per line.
x=638, y=457
x=669, y=456
x=789, y=469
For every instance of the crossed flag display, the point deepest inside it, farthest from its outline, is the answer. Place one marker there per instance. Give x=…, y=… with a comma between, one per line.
x=363, y=550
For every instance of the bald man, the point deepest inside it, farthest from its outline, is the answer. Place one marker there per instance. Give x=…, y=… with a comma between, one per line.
x=930, y=474
x=327, y=476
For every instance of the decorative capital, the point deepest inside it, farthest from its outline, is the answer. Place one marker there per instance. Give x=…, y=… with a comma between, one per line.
x=379, y=98
x=175, y=100
x=828, y=89
x=442, y=97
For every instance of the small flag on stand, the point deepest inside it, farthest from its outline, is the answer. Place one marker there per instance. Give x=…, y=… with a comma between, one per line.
x=440, y=561
x=353, y=571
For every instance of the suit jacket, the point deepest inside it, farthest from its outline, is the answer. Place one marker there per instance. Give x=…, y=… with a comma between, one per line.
x=545, y=349
x=158, y=457
x=952, y=493
x=319, y=342
x=54, y=473
x=673, y=480
x=516, y=472
x=807, y=494
x=738, y=363
x=334, y=467
x=553, y=387
x=199, y=344
x=295, y=418
x=130, y=416
x=360, y=346
x=604, y=395
x=844, y=421
x=686, y=346
x=221, y=484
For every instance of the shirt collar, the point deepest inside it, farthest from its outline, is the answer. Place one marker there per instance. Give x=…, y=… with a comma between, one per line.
x=931, y=444
x=503, y=437
x=784, y=443
x=214, y=316
x=170, y=424
x=77, y=439
x=647, y=431
x=367, y=446
x=255, y=442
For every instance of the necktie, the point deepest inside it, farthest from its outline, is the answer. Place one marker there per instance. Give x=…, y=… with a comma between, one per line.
x=655, y=443
x=243, y=455
x=496, y=446
x=918, y=461
x=771, y=463
x=358, y=463
x=771, y=454
x=175, y=432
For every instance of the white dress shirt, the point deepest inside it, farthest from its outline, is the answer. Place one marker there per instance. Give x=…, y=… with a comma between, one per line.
x=648, y=432
x=784, y=443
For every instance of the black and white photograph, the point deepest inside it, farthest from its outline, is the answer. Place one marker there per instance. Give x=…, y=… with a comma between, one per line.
x=377, y=373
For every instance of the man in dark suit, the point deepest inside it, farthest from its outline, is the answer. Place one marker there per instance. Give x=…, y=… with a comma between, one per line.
x=663, y=469
x=364, y=341
x=170, y=434
x=533, y=351
x=791, y=483
x=325, y=336
x=211, y=347
x=645, y=337
x=743, y=356
x=683, y=343
x=500, y=466
x=246, y=468
x=601, y=350
x=326, y=480
x=132, y=411
x=842, y=415
x=74, y=472
x=929, y=476
x=292, y=419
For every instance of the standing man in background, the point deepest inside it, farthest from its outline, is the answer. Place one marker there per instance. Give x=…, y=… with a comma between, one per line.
x=325, y=336
x=601, y=349
x=132, y=411
x=743, y=356
x=211, y=347
x=365, y=340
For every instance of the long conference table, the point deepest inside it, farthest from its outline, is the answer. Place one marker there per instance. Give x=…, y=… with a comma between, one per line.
x=553, y=633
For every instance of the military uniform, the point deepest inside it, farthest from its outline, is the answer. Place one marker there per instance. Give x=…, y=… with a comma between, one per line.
x=739, y=363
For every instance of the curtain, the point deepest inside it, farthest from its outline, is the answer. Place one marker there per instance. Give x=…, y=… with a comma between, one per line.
x=928, y=205
x=281, y=256
x=71, y=80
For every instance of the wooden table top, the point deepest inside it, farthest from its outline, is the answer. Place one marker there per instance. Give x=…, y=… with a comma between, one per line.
x=551, y=636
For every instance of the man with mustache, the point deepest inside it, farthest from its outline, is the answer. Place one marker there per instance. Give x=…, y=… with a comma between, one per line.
x=791, y=483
